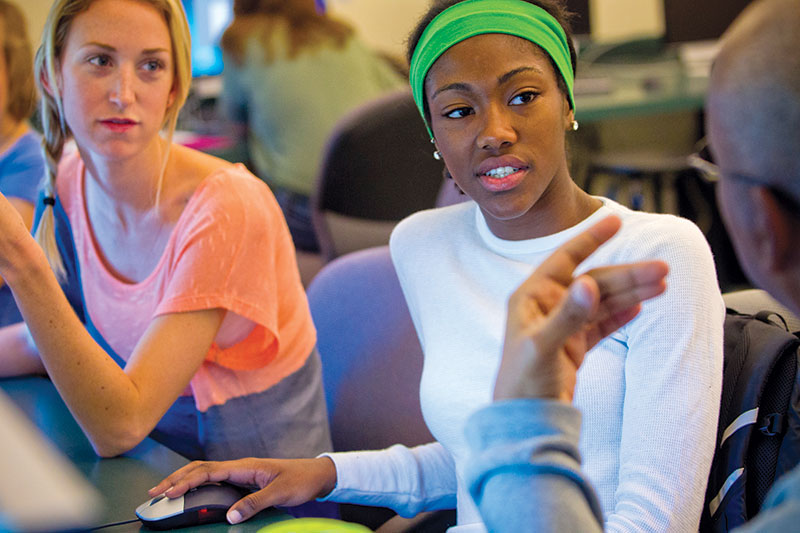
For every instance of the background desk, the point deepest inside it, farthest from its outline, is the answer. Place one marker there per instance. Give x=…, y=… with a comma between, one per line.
x=605, y=92
x=121, y=481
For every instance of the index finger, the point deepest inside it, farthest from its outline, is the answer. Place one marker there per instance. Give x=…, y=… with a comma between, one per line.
x=201, y=472
x=563, y=262
x=183, y=479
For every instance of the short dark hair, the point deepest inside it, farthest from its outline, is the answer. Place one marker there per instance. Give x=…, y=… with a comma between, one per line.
x=555, y=8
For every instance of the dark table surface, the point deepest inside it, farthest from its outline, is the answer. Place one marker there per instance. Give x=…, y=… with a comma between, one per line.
x=123, y=481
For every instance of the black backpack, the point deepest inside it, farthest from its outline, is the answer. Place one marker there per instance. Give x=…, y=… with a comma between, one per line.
x=758, y=438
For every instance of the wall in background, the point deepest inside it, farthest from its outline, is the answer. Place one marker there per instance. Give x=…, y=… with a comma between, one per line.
x=619, y=19
x=385, y=24
x=36, y=13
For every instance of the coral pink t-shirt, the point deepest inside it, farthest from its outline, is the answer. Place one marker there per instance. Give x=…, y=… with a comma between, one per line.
x=230, y=249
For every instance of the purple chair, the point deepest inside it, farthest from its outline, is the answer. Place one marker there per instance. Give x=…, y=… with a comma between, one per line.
x=371, y=357
x=371, y=369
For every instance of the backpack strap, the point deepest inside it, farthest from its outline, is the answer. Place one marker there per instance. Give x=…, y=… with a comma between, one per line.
x=766, y=316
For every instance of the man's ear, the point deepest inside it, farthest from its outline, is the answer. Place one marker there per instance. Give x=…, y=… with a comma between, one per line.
x=775, y=229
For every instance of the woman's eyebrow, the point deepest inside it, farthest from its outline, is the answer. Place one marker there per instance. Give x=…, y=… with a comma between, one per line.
x=99, y=45
x=511, y=73
x=460, y=86
x=457, y=86
x=113, y=49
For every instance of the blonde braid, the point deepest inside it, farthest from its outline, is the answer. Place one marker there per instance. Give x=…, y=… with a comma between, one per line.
x=52, y=147
x=54, y=135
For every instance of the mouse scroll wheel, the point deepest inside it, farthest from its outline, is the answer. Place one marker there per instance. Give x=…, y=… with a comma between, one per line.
x=157, y=499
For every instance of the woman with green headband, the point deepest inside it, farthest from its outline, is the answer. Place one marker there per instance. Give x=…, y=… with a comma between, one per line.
x=493, y=81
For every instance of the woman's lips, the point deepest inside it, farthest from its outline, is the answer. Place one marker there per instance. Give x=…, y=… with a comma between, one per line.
x=504, y=181
x=118, y=125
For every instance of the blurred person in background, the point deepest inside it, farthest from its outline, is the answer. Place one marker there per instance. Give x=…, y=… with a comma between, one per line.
x=291, y=72
x=21, y=162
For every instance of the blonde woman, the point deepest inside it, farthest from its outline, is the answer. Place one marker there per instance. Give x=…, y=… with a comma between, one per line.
x=188, y=320
x=21, y=163
x=291, y=73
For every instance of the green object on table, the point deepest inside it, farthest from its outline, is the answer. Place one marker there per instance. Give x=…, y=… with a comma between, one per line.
x=314, y=525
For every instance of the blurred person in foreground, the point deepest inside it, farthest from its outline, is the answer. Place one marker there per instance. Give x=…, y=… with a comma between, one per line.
x=525, y=471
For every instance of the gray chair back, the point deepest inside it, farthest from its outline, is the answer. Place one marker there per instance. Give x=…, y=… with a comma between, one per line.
x=376, y=170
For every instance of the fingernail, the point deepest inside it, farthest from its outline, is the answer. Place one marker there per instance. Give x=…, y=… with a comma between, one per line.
x=581, y=294
x=234, y=517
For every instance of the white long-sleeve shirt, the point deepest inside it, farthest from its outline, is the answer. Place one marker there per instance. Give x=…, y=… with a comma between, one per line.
x=649, y=393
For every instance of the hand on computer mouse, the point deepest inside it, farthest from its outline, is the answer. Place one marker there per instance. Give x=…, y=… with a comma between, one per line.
x=286, y=482
x=201, y=505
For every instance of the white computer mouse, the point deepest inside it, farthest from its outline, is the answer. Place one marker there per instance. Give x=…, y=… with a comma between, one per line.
x=201, y=505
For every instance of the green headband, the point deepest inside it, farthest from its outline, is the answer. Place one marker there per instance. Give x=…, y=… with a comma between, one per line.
x=477, y=17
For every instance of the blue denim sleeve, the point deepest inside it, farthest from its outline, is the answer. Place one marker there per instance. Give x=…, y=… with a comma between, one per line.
x=781, y=509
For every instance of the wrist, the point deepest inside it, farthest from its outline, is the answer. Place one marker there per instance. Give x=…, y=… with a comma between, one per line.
x=21, y=259
x=328, y=473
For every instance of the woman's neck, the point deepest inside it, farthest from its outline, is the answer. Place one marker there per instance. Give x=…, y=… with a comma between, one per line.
x=128, y=184
x=562, y=206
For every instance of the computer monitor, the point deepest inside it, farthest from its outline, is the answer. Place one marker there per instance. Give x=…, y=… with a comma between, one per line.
x=693, y=20
x=207, y=20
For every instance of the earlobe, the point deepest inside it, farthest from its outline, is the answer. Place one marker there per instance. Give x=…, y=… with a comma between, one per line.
x=569, y=117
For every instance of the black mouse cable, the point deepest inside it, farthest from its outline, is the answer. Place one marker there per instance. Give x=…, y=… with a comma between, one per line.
x=115, y=524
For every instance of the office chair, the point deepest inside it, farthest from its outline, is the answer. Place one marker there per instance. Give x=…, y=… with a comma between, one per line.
x=376, y=170
x=371, y=357
x=371, y=366
x=751, y=301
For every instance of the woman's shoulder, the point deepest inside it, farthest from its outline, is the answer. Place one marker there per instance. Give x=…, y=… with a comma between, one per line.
x=22, y=167
x=214, y=184
x=436, y=222
x=29, y=145
x=643, y=223
x=665, y=236
x=433, y=229
x=195, y=169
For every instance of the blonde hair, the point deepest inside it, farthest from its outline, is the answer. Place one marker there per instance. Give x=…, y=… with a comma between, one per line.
x=19, y=58
x=54, y=127
x=306, y=27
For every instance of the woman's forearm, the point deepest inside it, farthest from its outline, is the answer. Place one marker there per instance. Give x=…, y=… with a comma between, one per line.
x=115, y=407
x=18, y=353
x=99, y=393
